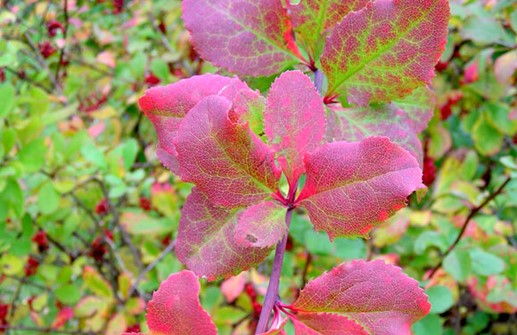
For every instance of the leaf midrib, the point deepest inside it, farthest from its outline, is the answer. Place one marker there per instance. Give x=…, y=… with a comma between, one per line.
x=381, y=51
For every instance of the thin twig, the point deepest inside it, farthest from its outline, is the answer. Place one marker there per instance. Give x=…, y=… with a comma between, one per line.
x=44, y=64
x=151, y=266
x=46, y=330
x=274, y=280
x=65, y=32
x=471, y=215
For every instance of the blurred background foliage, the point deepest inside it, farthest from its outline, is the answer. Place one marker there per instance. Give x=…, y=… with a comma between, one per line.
x=88, y=216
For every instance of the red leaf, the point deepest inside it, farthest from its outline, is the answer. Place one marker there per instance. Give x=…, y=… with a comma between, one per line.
x=248, y=37
x=351, y=187
x=312, y=20
x=206, y=244
x=401, y=121
x=223, y=157
x=175, y=308
x=294, y=121
x=166, y=106
x=377, y=296
x=325, y=324
x=386, y=50
x=62, y=317
x=261, y=225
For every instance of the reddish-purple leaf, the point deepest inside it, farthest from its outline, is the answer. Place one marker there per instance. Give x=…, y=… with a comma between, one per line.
x=325, y=324
x=312, y=20
x=378, y=296
x=400, y=120
x=223, y=157
x=246, y=37
x=206, y=243
x=351, y=187
x=294, y=121
x=166, y=106
x=175, y=308
x=386, y=50
x=261, y=225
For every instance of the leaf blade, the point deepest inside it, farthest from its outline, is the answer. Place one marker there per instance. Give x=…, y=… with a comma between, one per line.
x=389, y=310
x=175, y=308
x=294, y=121
x=223, y=157
x=206, y=232
x=248, y=37
x=391, y=47
x=344, y=178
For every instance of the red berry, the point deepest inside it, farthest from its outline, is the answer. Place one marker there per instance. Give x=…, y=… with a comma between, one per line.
x=145, y=204
x=151, y=79
x=441, y=66
x=31, y=267
x=429, y=171
x=166, y=240
x=446, y=111
x=2, y=75
x=46, y=49
x=4, y=312
x=53, y=26
x=102, y=207
x=133, y=329
x=118, y=6
x=98, y=249
x=40, y=238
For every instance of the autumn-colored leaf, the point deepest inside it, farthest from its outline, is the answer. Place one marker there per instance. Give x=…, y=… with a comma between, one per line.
x=400, y=120
x=223, y=157
x=312, y=20
x=326, y=324
x=345, y=178
x=206, y=243
x=385, y=50
x=166, y=106
x=175, y=308
x=261, y=225
x=252, y=38
x=379, y=297
x=294, y=121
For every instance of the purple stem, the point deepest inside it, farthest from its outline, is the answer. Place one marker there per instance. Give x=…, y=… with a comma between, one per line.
x=274, y=281
x=318, y=80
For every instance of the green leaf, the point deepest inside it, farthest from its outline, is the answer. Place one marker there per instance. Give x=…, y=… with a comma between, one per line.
x=48, y=199
x=160, y=69
x=440, y=298
x=458, y=264
x=7, y=94
x=32, y=155
x=430, y=325
x=68, y=294
x=486, y=264
x=139, y=223
x=487, y=139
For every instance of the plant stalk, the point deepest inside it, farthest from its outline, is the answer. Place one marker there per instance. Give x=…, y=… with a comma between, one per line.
x=274, y=280
x=318, y=80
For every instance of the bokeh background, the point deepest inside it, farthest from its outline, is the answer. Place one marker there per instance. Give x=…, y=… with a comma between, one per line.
x=88, y=216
